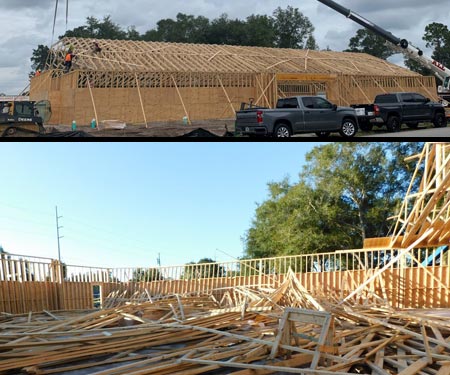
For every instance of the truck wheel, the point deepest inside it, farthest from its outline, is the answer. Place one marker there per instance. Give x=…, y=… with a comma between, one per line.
x=322, y=134
x=412, y=125
x=282, y=130
x=348, y=128
x=393, y=124
x=440, y=121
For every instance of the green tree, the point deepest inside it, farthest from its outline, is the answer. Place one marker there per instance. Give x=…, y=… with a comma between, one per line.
x=204, y=268
x=225, y=31
x=260, y=31
x=185, y=29
x=293, y=29
x=97, y=29
x=298, y=217
x=147, y=274
x=417, y=67
x=39, y=58
x=133, y=34
x=366, y=41
x=345, y=194
x=437, y=36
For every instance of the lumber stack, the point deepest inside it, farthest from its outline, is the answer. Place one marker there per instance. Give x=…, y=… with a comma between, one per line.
x=246, y=331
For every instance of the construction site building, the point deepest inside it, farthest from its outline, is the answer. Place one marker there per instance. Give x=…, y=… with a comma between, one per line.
x=136, y=81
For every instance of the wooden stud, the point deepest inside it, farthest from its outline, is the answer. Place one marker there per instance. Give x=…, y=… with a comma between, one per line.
x=140, y=99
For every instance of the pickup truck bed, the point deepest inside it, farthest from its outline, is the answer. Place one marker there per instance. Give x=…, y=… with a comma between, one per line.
x=299, y=114
x=394, y=109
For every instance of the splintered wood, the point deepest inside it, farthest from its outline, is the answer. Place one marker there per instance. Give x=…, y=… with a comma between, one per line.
x=241, y=332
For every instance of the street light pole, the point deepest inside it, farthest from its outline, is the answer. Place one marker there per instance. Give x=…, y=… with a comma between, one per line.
x=57, y=233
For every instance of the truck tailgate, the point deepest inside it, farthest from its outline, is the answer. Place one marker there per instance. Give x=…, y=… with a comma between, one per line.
x=246, y=117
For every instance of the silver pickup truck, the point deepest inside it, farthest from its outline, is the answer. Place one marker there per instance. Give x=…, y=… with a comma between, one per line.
x=298, y=114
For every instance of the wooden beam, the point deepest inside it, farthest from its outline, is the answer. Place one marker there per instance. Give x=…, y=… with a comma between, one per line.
x=93, y=103
x=140, y=99
x=181, y=99
x=305, y=77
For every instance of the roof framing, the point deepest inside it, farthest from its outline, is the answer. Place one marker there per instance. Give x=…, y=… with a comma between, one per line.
x=426, y=213
x=135, y=56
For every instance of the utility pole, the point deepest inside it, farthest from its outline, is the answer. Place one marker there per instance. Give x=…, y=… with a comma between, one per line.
x=57, y=233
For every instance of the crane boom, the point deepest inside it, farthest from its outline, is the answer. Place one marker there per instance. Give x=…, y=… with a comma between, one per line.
x=362, y=21
x=406, y=48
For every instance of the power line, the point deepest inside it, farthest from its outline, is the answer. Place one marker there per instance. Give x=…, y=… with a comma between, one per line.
x=136, y=243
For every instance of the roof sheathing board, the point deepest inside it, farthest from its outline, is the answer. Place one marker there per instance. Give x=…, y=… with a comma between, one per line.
x=122, y=55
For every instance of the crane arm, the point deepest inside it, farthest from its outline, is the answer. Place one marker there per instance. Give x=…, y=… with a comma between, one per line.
x=405, y=47
x=362, y=21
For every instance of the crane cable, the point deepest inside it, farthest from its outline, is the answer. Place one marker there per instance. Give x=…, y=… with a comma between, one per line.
x=67, y=12
x=54, y=18
x=54, y=21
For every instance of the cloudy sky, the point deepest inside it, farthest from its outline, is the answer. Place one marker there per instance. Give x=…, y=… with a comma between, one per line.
x=28, y=23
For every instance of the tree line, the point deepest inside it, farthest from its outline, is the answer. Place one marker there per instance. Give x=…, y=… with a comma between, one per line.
x=436, y=37
x=345, y=193
x=285, y=28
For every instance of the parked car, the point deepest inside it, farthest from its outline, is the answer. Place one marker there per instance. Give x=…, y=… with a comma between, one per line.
x=298, y=114
x=394, y=109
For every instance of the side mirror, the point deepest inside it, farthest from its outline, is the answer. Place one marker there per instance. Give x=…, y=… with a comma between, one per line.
x=334, y=107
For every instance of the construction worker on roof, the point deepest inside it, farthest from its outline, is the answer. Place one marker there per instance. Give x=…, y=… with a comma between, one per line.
x=68, y=60
x=97, y=48
x=38, y=73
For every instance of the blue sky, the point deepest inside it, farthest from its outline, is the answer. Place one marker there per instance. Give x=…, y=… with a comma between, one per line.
x=123, y=203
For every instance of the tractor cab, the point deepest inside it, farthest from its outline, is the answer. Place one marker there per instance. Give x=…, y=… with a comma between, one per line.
x=23, y=115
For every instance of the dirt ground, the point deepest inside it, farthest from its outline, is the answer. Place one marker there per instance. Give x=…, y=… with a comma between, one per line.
x=219, y=128
x=223, y=128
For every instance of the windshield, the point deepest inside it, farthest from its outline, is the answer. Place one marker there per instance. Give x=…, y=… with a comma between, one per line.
x=447, y=82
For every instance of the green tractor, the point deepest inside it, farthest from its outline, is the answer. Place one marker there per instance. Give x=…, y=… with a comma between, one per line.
x=23, y=117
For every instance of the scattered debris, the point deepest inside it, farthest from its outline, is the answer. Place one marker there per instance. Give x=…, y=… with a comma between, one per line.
x=112, y=124
x=248, y=331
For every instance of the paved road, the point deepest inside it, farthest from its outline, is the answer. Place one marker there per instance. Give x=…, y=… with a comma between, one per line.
x=422, y=133
x=417, y=133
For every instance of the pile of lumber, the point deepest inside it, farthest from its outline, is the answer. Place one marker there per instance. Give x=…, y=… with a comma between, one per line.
x=245, y=331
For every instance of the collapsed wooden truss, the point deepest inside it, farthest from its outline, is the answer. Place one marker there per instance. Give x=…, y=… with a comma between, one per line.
x=245, y=330
x=260, y=333
x=426, y=213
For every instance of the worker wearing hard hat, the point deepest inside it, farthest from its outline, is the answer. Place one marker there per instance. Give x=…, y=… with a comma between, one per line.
x=68, y=60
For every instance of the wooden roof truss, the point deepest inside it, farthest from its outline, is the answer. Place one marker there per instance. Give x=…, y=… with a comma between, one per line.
x=427, y=211
x=135, y=56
